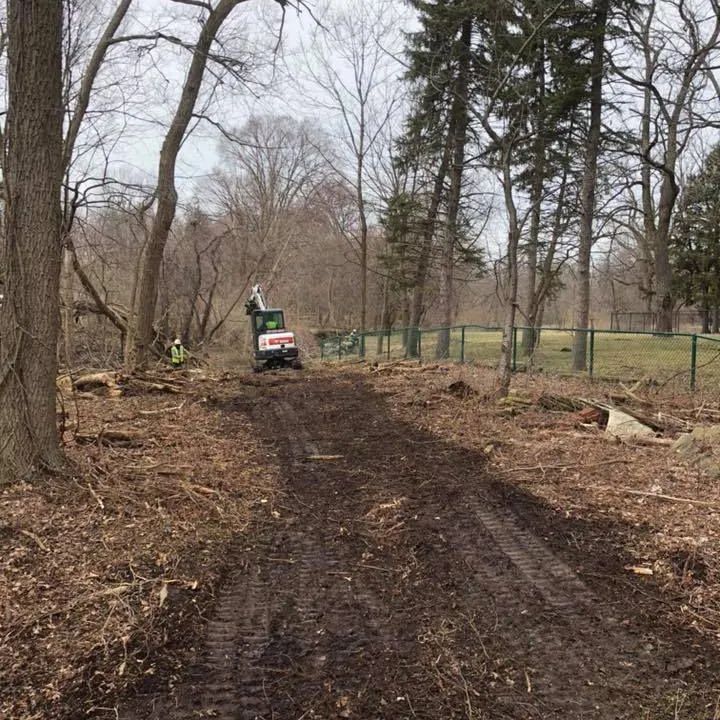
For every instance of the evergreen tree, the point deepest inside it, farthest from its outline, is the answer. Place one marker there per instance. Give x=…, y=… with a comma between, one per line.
x=695, y=246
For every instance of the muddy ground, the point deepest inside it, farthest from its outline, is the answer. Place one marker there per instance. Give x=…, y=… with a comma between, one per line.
x=394, y=575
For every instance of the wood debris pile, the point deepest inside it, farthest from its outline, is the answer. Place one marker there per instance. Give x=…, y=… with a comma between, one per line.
x=101, y=565
x=108, y=383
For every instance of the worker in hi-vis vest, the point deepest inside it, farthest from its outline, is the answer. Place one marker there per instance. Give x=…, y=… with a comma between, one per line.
x=178, y=354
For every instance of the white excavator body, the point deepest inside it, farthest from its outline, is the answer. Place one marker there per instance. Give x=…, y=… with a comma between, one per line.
x=274, y=346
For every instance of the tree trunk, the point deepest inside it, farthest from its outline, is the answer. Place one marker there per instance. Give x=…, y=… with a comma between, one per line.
x=536, y=197
x=67, y=289
x=461, y=120
x=30, y=314
x=647, y=242
x=706, y=311
x=664, y=299
x=166, y=193
x=384, y=315
x=504, y=371
x=417, y=303
x=587, y=191
x=363, y=240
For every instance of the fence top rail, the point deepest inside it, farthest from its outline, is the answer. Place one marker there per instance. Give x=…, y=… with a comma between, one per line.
x=498, y=328
x=387, y=332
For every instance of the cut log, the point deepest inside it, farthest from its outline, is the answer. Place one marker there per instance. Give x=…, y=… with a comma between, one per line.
x=591, y=415
x=560, y=402
x=147, y=386
x=95, y=380
x=110, y=437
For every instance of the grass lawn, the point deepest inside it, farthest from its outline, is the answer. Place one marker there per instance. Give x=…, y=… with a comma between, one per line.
x=622, y=356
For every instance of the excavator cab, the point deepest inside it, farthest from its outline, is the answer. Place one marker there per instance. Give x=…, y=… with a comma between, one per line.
x=268, y=320
x=273, y=344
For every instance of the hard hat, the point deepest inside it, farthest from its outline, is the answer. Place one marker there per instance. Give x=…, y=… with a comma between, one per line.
x=177, y=341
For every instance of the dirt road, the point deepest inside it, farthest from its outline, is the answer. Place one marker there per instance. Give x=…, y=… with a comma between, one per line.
x=395, y=579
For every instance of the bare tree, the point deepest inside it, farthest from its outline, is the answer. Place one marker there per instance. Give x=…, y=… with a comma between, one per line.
x=165, y=191
x=263, y=193
x=29, y=317
x=677, y=43
x=349, y=73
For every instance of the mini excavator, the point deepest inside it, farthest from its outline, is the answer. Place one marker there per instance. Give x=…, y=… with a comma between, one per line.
x=273, y=344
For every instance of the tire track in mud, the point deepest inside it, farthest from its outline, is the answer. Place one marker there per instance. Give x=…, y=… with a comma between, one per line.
x=545, y=618
x=449, y=606
x=224, y=681
x=516, y=571
x=568, y=652
x=350, y=623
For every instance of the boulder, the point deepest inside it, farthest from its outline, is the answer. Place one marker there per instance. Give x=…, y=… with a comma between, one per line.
x=701, y=448
x=626, y=427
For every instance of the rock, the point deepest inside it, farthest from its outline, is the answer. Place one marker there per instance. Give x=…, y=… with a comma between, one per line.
x=699, y=448
x=624, y=426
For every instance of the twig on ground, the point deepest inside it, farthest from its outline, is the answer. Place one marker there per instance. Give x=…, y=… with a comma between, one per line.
x=162, y=410
x=35, y=538
x=576, y=466
x=660, y=496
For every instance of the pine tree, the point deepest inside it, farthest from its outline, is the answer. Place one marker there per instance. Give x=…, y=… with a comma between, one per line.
x=695, y=244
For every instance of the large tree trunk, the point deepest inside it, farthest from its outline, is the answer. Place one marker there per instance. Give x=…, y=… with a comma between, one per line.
x=664, y=299
x=30, y=315
x=587, y=191
x=422, y=268
x=536, y=198
x=447, y=264
x=166, y=193
x=647, y=242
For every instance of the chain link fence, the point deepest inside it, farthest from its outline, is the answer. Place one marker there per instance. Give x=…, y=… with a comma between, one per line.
x=690, y=360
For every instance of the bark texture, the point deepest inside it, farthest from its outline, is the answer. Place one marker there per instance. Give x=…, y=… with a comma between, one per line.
x=504, y=370
x=30, y=315
x=587, y=191
x=460, y=123
x=420, y=276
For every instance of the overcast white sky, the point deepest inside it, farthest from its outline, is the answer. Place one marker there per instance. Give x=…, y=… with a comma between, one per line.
x=253, y=27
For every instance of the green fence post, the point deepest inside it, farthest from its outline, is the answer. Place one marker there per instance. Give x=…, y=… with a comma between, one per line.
x=419, y=335
x=362, y=345
x=389, y=332
x=339, y=348
x=322, y=350
x=591, y=364
x=462, y=344
x=514, y=349
x=693, y=361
